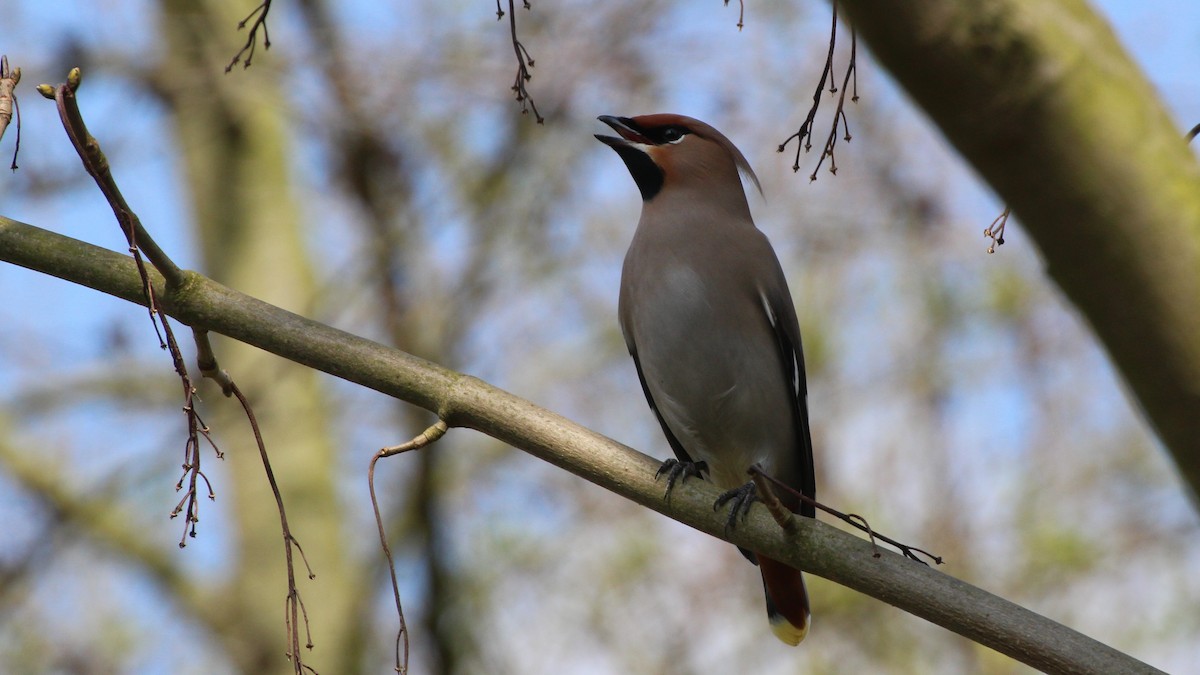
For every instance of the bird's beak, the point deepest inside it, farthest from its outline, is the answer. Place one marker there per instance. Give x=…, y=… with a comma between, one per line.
x=626, y=128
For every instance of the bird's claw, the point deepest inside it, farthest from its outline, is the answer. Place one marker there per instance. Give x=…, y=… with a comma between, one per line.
x=677, y=471
x=742, y=497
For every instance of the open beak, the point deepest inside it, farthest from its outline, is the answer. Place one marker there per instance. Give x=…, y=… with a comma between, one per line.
x=627, y=130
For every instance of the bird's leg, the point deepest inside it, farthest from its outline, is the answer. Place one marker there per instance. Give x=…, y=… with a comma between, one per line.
x=677, y=471
x=742, y=497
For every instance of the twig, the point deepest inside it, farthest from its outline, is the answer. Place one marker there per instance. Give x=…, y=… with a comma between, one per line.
x=804, y=135
x=741, y=13
x=524, y=62
x=840, y=113
x=190, y=503
x=294, y=609
x=97, y=167
x=427, y=437
x=259, y=15
x=96, y=164
x=910, y=552
x=995, y=231
x=785, y=518
x=1190, y=135
x=206, y=360
x=8, y=102
x=139, y=240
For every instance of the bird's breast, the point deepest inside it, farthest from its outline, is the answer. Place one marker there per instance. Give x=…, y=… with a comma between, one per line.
x=712, y=368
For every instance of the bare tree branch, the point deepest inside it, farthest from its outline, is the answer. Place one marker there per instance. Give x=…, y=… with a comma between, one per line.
x=464, y=401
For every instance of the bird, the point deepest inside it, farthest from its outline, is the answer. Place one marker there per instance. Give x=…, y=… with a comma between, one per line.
x=708, y=318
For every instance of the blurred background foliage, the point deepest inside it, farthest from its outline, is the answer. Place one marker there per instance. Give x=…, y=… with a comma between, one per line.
x=372, y=171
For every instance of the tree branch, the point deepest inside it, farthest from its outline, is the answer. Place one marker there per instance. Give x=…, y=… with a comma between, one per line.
x=464, y=401
x=1041, y=98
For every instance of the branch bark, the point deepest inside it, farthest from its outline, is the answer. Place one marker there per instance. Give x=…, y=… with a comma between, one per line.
x=1043, y=101
x=464, y=401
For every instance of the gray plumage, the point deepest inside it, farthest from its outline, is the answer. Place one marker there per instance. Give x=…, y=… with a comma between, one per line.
x=708, y=318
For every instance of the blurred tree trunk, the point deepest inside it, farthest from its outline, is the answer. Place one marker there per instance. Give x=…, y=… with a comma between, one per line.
x=1041, y=98
x=233, y=144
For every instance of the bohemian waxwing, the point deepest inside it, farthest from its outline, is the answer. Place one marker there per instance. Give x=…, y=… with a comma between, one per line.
x=709, y=321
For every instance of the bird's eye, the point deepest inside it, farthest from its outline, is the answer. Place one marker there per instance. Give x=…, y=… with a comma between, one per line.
x=672, y=134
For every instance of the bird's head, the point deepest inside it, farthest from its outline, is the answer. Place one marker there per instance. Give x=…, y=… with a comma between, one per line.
x=666, y=152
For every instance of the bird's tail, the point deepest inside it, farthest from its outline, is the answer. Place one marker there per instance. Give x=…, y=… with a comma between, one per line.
x=787, y=600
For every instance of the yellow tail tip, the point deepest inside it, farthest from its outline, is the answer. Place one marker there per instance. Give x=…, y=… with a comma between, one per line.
x=789, y=634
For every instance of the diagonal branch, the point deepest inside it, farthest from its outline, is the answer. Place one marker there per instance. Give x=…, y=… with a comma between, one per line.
x=464, y=401
x=96, y=164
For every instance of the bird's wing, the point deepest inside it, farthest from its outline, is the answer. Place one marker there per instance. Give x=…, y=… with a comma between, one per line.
x=676, y=446
x=786, y=328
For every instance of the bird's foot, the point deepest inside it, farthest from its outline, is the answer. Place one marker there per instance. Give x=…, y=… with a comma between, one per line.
x=742, y=497
x=677, y=471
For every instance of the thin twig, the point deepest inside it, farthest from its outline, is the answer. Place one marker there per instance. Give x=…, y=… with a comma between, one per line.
x=853, y=519
x=524, y=62
x=995, y=231
x=427, y=437
x=206, y=360
x=195, y=429
x=8, y=102
x=17, y=145
x=741, y=13
x=97, y=166
x=785, y=518
x=294, y=605
x=139, y=240
x=840, y=113
x=804, y=135
x=259, y=16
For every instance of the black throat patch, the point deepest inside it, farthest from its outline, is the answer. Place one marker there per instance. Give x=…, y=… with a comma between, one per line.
x=647, y=174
